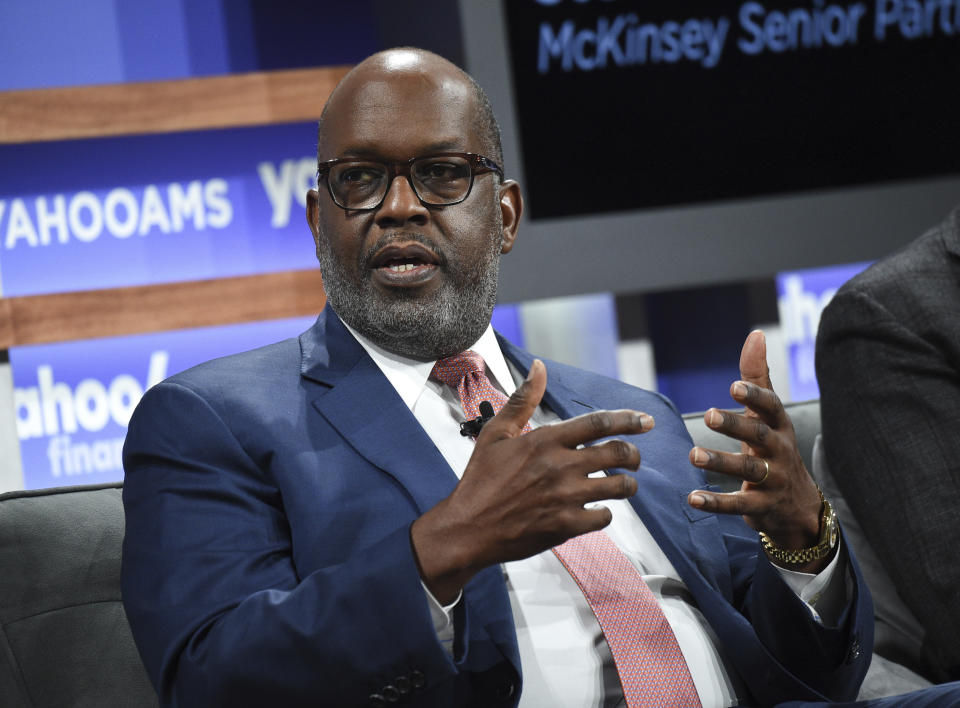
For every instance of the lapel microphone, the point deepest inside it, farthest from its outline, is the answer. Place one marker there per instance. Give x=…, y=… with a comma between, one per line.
x=472, y=428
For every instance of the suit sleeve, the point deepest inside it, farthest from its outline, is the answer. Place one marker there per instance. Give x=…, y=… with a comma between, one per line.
x=218, y=610
x=831, y=659
x=890, y=403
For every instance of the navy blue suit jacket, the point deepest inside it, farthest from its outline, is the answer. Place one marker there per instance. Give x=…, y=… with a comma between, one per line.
x=267, y=559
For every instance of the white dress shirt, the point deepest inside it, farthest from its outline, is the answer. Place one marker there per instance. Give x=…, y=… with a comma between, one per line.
x=565, y=658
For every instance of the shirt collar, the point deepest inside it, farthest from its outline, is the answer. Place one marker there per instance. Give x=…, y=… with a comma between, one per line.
x=409, y=376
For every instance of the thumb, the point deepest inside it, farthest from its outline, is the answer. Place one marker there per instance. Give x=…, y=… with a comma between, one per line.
x=754, y=369
x=520, y=406
x=753, y=360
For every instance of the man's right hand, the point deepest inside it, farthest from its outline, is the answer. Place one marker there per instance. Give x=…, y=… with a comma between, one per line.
x=522, y=494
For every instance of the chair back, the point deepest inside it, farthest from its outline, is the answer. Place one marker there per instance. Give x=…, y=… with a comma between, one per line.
x=64, y=637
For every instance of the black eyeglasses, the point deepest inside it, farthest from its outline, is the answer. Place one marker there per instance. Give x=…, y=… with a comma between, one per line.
x=440, y=179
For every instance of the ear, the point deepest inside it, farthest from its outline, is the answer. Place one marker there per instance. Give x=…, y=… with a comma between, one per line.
x=511, y=209
x=313, y=215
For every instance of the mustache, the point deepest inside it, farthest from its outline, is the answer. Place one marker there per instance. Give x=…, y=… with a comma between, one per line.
x=406, y=237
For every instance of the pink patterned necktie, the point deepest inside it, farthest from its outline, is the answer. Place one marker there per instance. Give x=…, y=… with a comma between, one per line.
x=465, y=372
x=651, y=666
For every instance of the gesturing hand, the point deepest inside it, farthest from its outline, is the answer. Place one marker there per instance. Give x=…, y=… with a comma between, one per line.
x=777, y=495
x=522, y=494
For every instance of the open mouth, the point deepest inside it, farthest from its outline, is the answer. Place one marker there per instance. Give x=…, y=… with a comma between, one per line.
x=405, y=264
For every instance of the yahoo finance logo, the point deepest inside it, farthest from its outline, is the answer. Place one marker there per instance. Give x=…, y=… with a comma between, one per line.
x=70, y=430
x=802, y=296
x=74, y=399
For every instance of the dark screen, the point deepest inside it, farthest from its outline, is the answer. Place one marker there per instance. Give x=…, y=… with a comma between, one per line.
x=626, y=105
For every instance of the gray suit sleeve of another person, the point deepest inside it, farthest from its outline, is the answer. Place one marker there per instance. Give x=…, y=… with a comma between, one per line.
x=890, y=402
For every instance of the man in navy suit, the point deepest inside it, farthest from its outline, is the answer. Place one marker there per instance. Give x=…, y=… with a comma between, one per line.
x=306, y=526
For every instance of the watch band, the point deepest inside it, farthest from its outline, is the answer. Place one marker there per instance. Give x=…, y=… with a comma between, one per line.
x=801, y=556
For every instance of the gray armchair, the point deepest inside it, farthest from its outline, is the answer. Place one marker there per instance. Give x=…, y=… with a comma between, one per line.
x=64, y=638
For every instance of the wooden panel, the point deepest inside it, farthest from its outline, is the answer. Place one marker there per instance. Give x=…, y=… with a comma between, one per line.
x=62, y=317
x=258, y=98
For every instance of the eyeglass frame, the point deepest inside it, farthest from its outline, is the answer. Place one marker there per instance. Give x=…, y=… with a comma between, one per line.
x=477, y=163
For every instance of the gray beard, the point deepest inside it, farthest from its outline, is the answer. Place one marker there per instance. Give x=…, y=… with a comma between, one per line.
x=445, y=324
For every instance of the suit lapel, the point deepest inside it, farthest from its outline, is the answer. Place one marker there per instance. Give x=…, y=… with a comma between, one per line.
x=348, y=385
x=358, y=400
x=561, y=400
x=689, y=537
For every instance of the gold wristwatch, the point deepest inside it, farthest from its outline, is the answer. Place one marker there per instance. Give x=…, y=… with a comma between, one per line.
x=801, y=556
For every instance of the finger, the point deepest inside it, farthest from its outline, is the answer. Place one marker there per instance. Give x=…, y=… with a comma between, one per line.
x=614, y=486
x=753, y=360
x=609, y=454
x=520, y=406
x=588, y=520
x=601, y=424
x=762, y=401
x=753, y=431
x=746, y=467
x=737, y=503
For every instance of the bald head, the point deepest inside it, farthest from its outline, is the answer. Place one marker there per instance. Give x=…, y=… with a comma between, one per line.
x=451, y=84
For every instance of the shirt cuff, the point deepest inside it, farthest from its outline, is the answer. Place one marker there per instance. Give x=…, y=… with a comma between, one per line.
x=825, y=593
x=442, y=616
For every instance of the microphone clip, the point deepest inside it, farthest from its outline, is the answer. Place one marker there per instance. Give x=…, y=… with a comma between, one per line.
x=472, y=428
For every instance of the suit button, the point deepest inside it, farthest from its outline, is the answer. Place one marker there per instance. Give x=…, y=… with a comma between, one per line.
x=854, y=652
x=403, y=684
x=377, y=701
x=391, y=693
x=417, y=679
x=504, y=691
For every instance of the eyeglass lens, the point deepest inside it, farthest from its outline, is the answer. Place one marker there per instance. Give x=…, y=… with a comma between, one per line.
x=439, y=180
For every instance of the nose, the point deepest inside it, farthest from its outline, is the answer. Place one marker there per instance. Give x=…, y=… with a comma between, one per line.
x=401, y=205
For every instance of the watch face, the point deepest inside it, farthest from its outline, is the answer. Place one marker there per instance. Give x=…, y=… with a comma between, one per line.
x=828, y=534
x=832, y=530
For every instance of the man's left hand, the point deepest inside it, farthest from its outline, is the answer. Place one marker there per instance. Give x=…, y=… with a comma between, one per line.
x=778, y=495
